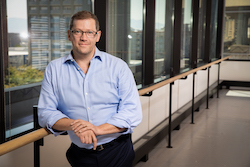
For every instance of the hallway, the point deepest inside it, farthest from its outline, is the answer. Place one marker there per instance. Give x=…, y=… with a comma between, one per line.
x=220, y=136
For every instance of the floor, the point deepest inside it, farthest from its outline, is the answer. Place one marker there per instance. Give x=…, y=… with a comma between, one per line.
x=220, y=136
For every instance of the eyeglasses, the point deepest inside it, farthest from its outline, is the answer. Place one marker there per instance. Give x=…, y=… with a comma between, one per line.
x=89, y=34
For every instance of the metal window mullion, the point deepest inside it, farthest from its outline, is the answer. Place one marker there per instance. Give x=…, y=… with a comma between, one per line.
x=148, y=42
x=3, y=62
x=220, y=22
x=208, y=32
x=177, y=37
x=101, y=11
x=195, y=33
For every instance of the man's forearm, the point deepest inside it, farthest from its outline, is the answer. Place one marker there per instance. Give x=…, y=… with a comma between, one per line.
x=63, y=124
x=108, y=129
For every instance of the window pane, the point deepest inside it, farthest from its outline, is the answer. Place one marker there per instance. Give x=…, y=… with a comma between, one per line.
x=163, y=38
x=186, y=42
x=237, y=30
x=125, y=34
x=213, y=33
x=36, y=35
x=202, y=33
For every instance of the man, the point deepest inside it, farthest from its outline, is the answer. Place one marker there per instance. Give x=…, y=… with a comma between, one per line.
x=93, y=96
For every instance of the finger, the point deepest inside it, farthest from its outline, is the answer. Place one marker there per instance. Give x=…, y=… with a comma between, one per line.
x=78, y=121
x=74, y=122
x=80, y=128
x=75, y=126
x=94, y=140
x=90, y=139
x=82, y=139
x=86, y=139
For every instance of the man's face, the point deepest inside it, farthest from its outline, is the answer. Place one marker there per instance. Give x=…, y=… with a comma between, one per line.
x=84, y=45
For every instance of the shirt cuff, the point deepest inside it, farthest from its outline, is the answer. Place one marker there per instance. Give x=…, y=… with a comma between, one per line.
x=51, y=124
x=121, y=124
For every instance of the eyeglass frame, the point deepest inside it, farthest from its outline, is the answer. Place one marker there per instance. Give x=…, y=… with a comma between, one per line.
x=87, y=33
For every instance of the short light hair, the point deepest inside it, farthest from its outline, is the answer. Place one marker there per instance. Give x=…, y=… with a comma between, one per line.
x=81, y=15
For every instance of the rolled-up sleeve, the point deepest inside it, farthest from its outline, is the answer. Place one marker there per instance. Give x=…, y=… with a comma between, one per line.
x=48, y=114
x=129, y=113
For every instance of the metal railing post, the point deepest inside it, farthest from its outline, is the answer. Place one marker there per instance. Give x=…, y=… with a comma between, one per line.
x=218, y=81
x=170, y=115
x=39, y=142
x=192, y=116
x=208, y=74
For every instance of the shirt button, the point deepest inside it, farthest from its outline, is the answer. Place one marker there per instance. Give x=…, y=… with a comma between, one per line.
x=78, y=68
x=86, y=93
x=88, y=108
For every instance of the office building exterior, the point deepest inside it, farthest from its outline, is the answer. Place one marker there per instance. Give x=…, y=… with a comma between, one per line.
x=48, y=22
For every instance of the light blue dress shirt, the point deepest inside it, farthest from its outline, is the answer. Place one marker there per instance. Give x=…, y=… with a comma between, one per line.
x=107, y=94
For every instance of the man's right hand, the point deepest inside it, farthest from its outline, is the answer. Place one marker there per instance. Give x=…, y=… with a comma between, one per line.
x=87, y=137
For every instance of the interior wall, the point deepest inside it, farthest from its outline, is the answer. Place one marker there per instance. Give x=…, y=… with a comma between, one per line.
x=200, y=81
x=53, y=153
x=235, y=71
x=213, y=74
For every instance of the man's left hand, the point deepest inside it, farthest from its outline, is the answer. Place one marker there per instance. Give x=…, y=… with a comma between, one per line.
x=79, y=126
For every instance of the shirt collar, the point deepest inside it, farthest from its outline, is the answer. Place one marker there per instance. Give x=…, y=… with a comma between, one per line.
x=96, y=56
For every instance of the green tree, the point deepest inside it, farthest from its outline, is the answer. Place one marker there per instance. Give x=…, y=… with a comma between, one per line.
x=21, y=76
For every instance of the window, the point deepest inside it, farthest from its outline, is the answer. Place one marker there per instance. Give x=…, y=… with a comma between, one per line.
x=213, y=30
x=55, y=27
x=44, y=8
x=125, y=34
x=55, y=8
x=202, y=32
x=186, y=42
x=55, y=19
x=68, y=8
x=32, y=45
x=163, y=38
x=33, y=8
x=237, y=30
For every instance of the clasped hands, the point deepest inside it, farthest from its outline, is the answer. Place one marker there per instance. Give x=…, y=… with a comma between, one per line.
x=86, y=131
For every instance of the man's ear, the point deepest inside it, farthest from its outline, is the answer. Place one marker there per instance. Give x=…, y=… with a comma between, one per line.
x=69, y=34
x=98, y=35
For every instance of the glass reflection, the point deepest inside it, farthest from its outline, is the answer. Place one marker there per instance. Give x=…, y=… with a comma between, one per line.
x=186, y=42
x=213, y=32
x=202, y=32
x=237, y=30
x=125, y=34
x=163, y=38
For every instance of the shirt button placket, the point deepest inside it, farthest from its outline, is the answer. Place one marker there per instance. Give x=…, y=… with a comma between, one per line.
x=86, y=97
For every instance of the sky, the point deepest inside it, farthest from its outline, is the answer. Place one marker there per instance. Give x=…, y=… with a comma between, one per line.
x=136, y=9
x=17, y=16
x=17, y=9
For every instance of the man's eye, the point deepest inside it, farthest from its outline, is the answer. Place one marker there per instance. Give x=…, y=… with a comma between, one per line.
x=77, y=32
x=90, y=32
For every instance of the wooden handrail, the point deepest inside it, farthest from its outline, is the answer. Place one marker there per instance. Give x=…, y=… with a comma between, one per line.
x=41, y=133
x=170, y=80
x=23, y=140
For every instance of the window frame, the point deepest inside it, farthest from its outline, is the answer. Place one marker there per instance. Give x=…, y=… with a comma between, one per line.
x=3, y=38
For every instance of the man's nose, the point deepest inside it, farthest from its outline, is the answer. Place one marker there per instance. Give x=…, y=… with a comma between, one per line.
x=84, y=35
